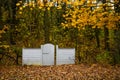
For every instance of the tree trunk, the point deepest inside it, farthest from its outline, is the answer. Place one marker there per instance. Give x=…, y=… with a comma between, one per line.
x=117, y=36
x=106, y=39
x=97, y=37
x=17, y=58
x=12, y=20
x=106, y=32
x=46, y=24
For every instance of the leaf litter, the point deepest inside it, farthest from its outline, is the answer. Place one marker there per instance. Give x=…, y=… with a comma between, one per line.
x=60, y=72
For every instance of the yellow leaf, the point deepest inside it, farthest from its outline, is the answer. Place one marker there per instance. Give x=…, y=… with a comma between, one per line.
x=18, y=4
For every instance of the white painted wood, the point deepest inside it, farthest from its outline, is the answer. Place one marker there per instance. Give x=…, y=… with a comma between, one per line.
x=48, y=54
x=65, y=55
x=31, y=56
x=45, y=55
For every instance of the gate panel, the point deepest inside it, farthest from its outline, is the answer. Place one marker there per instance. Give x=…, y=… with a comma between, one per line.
x=65, y=55
x=47, y=54
x=31, y=56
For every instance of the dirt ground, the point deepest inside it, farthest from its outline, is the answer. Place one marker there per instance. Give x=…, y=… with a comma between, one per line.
x=61, y=72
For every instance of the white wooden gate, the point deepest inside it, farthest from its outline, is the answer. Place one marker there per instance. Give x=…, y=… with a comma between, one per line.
x=39, y=56
x=47, y=54
x=65, y=55
x=31, y=56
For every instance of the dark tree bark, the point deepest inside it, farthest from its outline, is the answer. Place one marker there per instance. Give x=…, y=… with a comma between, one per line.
x=106, y=31
x=12, y=19
x=117, y=36
x=97, y=31
x=3, y=5
x=46, y=24
x=106, y=39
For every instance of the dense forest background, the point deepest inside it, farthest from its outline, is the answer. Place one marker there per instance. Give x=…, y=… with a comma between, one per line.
x=92, y=27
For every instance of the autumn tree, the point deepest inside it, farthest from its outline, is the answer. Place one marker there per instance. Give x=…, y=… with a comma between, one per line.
x=87, y=25
x=83, y=15
x=116, y=34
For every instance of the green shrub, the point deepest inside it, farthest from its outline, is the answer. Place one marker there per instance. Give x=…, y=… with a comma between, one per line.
x=104, y=58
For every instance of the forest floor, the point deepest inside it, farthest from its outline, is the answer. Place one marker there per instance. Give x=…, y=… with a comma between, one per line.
x=60, y=72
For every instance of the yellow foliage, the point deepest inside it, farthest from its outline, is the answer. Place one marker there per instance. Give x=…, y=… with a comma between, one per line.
x=81, y=13
x=79, y=17
x=20, y=1
x=30, y=4
x=59, y=7
x=18, y=4
x=3, y=30
x=48, y=8
x=20, y=8
x=5, y=46
x=50, y=4
x=31, y=9
x=24, y=6
x=40, y=7
x=0, y=31
x=76, y=3
x=64, y=1
x=68, y=2
x=20, y=12
x=116, y=1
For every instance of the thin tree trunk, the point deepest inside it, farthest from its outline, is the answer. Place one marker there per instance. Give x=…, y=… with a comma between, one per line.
x=116, y=54
x=106, y=39
x=46, y=24
x=12, y=14
x=106, y=32
x=97, y=37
